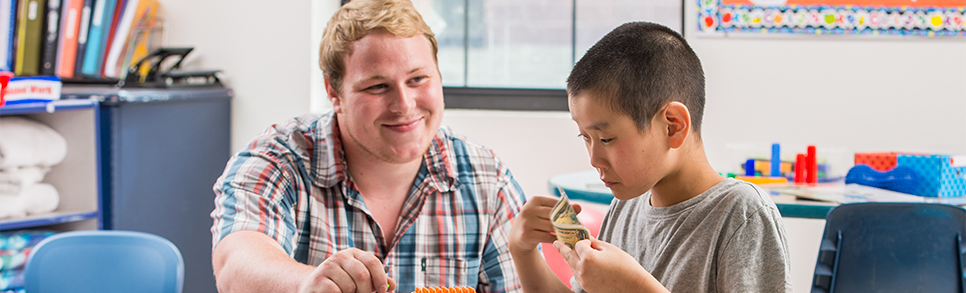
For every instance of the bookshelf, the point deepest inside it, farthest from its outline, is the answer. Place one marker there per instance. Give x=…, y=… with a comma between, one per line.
x=77, y=177
x=139, y=159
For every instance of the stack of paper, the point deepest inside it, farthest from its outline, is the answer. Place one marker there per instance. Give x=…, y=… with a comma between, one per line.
x=853, y=193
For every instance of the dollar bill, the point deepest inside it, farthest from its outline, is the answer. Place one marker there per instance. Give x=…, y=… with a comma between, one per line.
x=565, y=223
x=562, y=212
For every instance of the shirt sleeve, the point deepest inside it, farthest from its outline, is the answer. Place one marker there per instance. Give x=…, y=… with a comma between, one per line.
x=755, y=258
x=498, y=273
x=257, y=192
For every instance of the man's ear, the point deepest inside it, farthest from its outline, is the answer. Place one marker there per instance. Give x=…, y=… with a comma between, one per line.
x=678, y=121
x=333, y=96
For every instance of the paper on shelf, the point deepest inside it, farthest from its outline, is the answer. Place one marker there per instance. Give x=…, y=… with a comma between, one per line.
x=31, y=89
x=854, y=193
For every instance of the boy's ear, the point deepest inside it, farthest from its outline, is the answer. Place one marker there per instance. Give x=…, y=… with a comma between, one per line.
x=333, y=96
x=678, y=120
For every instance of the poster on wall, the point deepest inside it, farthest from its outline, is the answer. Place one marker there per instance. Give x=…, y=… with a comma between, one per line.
x=924, y=18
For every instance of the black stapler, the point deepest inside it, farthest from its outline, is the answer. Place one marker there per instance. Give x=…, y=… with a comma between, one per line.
x=147, y=72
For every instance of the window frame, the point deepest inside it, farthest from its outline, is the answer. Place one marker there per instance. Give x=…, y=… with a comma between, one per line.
x=516, y=99
x=488, y=98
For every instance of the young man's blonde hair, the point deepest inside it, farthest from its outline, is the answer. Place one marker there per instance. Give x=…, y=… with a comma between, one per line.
x=355, y=20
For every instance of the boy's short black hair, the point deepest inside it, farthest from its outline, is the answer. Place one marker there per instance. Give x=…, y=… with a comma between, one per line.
x=637, y=69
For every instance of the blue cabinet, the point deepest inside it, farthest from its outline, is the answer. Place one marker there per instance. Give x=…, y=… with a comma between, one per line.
x=161, y=151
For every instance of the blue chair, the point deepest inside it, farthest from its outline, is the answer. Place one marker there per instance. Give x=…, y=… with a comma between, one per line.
x=892, y=247
x=104, y=261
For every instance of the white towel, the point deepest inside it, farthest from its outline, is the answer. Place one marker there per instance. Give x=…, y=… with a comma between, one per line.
x=40, y=198
x=24, y=142
x=14, y=180
x=11, y=206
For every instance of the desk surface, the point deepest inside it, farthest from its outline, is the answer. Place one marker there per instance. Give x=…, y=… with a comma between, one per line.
x=586, y=185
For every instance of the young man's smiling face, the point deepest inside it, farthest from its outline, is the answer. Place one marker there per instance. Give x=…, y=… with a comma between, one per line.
x=630, y=161
x=391, y=102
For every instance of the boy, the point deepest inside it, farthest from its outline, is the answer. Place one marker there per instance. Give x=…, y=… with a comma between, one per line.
x=676, y=225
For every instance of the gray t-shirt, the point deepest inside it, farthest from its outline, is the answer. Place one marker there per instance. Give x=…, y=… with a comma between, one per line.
x=728, y=239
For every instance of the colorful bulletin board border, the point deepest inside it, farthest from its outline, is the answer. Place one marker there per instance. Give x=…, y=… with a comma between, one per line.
x=926, y=18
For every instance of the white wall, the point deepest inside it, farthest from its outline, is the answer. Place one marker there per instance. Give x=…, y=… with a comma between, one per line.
x=534, y=145
x=260, y=46
x=889, y=95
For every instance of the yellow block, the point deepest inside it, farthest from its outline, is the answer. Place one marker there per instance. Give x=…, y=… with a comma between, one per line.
x=762, y=180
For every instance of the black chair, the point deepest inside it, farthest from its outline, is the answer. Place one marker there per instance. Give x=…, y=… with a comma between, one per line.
x=892, y=247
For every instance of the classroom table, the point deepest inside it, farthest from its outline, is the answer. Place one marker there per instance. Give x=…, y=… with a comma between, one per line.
x=586, y=186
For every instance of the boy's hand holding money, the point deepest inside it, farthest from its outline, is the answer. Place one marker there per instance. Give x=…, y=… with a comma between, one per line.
x=533, y=226
x=599, y=266
x=565, y=223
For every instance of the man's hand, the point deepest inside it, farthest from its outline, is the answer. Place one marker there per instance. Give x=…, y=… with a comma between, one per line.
x=347, y=271
x=599, y=266
x=532, y=226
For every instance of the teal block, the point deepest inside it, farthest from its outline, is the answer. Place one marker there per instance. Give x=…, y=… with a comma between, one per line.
x=942, y=175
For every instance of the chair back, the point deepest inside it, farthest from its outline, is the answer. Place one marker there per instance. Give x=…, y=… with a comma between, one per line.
x=892, y=247
x=104, y=261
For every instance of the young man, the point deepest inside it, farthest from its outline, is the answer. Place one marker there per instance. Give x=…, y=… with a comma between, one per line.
x=676, y=225
x=373, y=196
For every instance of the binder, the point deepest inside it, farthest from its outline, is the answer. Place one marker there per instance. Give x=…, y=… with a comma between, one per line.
x=51, y=35
x=29, y=28
x=135, y=12
x=67, y=45
x=112, y=30
x=8, y=17
x=85, y=24
x=97, y=39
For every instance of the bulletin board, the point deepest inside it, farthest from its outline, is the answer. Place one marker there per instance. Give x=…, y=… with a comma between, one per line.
x=925, y=18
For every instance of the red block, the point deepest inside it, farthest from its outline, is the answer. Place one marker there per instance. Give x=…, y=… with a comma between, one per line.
x=800, y=168
x=811, y=174
x=878, y=161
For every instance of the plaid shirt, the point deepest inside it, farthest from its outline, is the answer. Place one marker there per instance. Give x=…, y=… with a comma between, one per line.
x=292, y=184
